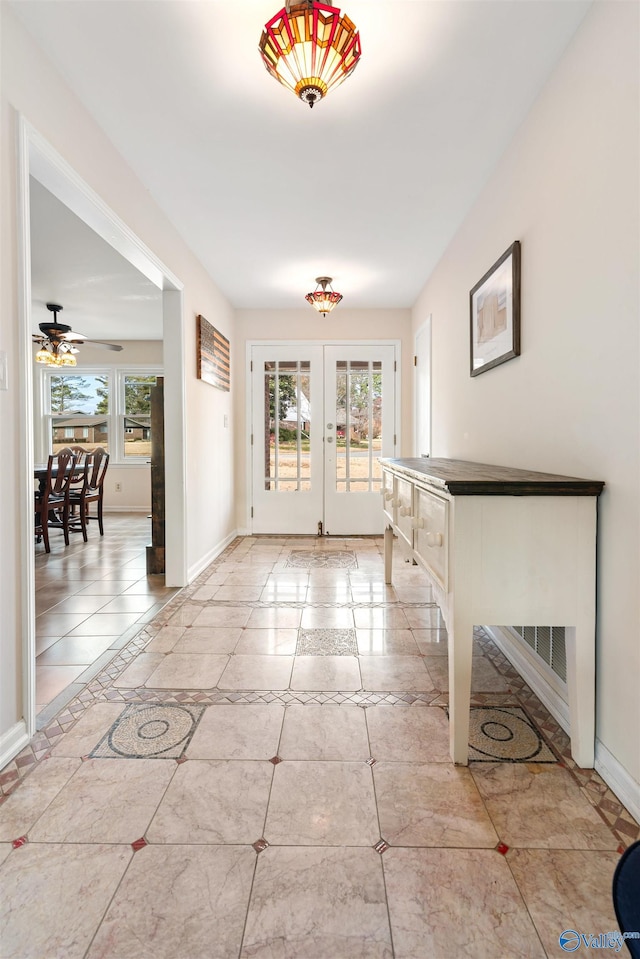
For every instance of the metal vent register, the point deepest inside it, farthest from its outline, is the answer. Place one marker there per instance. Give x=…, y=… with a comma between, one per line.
x=548, y=642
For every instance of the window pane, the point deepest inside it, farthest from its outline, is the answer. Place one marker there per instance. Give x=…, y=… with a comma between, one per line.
x=82, y=395
x=87, y=431
x=137, y=419
x=287, y=425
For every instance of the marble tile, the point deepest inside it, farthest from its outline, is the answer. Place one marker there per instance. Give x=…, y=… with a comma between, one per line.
x=208, y=888
x=219, y=640
x=372, y=592
x=395, y=673
x=432, y=642
x=566, y=889
x=456, y=902
x=257, y=672
x=338, y=593
x=5, y=849
x=130, y=603
x=88, y=731
x=221, y=616
x=74, y=650
x=248, y=577
x=26, y=804
x=80, y=604
x=540, y=806
x=321, y=617
x=329, y=577
x=322, y=804
x=58, y=624
x=165, y=639
x=51, y=680
x=138, y=671
x=238, y=594
x=326, y=673
x=318, y=904
x=327, y=732
x=107, y=800
x=386, y=642
x=413, y=594
x=419, y=735
x=427, y=617
x=267, y=642
x=214, y=802
x=55, y=896
x=434, y=804
x=284, y=593
x=381, y=618
x=187, y=671
x=276, y=618
x=238, y=732
x=106, y=624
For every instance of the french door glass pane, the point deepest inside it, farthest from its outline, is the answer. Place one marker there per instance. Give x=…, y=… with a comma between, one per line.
x=287, y=424
x=358, y=425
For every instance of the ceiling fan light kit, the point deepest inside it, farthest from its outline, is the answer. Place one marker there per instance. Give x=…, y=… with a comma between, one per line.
x=57, y=342
x=310, y=47
x=322, y=299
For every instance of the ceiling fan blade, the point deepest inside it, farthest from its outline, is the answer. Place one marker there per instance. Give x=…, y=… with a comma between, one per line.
x=99, y=343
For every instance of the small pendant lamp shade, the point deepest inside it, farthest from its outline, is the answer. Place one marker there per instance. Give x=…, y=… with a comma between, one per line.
x=322, y=299
x=310, y=47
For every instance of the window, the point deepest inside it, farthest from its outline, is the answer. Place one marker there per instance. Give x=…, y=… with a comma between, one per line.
x=109, y=408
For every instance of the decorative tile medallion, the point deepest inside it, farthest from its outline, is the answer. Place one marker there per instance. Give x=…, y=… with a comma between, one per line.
x=159, y=731
x=327, y=642
x=505, y=734
x=260, y=845
x=322, y=559
x=381, y=846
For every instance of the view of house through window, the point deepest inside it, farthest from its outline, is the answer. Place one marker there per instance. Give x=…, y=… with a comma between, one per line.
x=110, y=408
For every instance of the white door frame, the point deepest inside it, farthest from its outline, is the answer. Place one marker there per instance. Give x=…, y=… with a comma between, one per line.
x=38, y=158
x=275, y=343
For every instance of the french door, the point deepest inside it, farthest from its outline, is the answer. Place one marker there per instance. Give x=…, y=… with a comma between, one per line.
x=322, y=415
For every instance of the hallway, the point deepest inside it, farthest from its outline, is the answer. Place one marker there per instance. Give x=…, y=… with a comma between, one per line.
x=263, y=771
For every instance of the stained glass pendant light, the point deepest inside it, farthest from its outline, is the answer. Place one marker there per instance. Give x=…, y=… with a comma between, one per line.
x=323, y=299
x=310, y=47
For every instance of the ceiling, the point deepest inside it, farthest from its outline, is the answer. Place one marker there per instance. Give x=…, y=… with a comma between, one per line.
x=369, y=187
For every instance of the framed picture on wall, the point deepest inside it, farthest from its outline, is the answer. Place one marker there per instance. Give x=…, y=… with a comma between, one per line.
x=213, y=356
x=495, y=313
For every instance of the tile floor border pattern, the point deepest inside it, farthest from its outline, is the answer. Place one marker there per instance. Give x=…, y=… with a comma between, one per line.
x=608, y=806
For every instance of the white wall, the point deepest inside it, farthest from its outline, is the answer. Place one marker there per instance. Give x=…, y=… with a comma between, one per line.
x=567, y=188
x=30, y=85
x=305, y=324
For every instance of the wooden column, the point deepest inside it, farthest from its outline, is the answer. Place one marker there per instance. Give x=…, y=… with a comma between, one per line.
x=155, y=552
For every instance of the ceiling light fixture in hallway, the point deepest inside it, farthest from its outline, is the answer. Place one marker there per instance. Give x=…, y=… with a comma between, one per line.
x=310, y=47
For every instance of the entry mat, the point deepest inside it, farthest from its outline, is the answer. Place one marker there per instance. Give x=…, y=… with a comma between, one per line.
x=505, y=734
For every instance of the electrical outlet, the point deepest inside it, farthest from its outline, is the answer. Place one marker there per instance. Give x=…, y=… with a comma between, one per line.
x=118, y=487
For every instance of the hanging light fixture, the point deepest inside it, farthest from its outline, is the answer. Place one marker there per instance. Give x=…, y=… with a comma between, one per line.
x=323, y=299
x=310, y=47
x=56, y=354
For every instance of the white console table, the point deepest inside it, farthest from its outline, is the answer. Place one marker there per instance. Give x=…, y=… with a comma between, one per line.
x=502, y=547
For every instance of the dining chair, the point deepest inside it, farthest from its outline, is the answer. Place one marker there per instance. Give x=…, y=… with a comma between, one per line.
x=51, y=507
x=92, y=490
x=79, y=452
x=79, y=483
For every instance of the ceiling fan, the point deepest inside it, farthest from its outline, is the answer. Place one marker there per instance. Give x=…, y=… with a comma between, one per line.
x=58, y=341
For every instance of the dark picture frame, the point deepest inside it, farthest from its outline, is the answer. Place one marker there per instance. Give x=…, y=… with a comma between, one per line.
x=213, y=355
x=494, y=304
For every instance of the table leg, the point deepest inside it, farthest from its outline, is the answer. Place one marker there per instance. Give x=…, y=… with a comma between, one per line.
x=460, y=663
x=580, y=647
x=388, y=554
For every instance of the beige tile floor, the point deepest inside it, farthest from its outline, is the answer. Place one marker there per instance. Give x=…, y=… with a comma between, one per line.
x=90, y=599
x=304, y=805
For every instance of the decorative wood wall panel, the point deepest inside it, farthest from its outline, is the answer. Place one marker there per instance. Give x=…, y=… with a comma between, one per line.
x=213, y=356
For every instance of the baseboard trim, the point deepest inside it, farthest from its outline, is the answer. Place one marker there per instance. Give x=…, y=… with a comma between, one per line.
x=12, y=742
x=209, y=557
x=618, y=780
x=558, y=708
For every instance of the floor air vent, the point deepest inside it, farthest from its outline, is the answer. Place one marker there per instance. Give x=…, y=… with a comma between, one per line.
x=548, y=642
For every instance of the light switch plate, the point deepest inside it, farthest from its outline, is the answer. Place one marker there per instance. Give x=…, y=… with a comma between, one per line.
x=4, y=373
